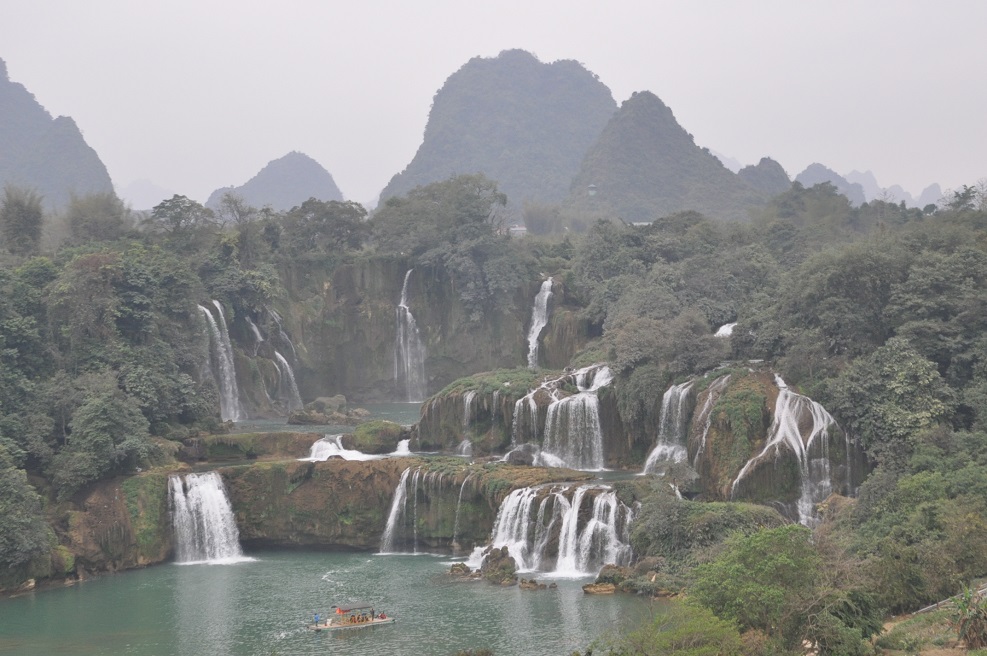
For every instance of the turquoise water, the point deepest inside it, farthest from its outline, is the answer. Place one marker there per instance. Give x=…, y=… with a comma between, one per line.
x=261, y=607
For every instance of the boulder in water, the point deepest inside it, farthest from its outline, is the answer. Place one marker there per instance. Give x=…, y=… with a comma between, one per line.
x=599, y=588
x=522, y=455
x=499, y=567
x=461, y=569
x=531, y=584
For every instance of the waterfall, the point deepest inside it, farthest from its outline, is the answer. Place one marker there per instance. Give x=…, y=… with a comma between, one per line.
x=726, y=330
x=409, y=352
x=399, y=508
x=331, y=446
x=205, y=530
x=469, y=409
x=229, y=394
x=573, y=434
x=705, y=415
x=529, y=517
x=279, y=322
x=294, y=398
x=459, y=503
x=465, y=448
x=790, y=410
x=672, y=428
x=539, y=319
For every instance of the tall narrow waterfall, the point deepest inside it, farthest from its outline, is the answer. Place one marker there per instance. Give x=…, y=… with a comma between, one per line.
x=705, y=416
x=539, y=319
x=573, y=434
x=202, y=517
x=532, y=520
x=288, y=386
x=409, y=352
x=229, y=394
x=790, y=412
x=672, y=427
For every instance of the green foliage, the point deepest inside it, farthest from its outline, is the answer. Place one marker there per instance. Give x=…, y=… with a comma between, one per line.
x=762, y=581
x=21, y=218
x=97, y=217
x=453, y=225
x=970, y=619
x=24, y=535
x=890, y=395
x=678, y=629
x=108, y=434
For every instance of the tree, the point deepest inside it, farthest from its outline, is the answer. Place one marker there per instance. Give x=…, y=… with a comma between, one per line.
x=181, y=220
x=21, y=217
x=108, y=433
x=23, y=531
x=97, y=217
x=678, y=629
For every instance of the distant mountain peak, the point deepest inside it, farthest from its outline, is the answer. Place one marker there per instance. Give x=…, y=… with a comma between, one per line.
x=45, y=154
x=645, y=165
x=521, y=122
x=816, y=173
x=284, y=183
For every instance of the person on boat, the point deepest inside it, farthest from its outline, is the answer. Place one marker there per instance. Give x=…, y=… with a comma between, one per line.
x=317, y=619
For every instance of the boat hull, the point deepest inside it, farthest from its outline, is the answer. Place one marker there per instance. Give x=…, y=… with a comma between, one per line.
x=347, y=625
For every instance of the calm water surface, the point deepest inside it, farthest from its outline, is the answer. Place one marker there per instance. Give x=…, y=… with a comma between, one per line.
x=261, y=607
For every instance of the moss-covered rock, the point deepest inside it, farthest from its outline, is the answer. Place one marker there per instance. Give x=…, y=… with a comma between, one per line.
x=376, y=437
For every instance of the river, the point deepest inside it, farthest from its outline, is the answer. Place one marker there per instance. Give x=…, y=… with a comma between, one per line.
x=262, y=607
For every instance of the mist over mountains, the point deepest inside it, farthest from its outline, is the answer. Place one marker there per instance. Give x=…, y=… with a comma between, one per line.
x=284, y=183
x=521, y=122
x=547, y=133
x=47, y=155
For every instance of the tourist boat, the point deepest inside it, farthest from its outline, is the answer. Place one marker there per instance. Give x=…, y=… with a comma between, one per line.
x=354, y=615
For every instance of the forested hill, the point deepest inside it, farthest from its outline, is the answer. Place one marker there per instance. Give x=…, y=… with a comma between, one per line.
x=284, y=183
x=645, y=165
x=521, y=122
x=47, y=155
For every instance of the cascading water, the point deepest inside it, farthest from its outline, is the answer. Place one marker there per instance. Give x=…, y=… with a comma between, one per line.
x=414, y=485
x=229, y=393
x=331, y=446
x=399, y=508
x=672, y=428
x=202, y=517
x=279, y=322
x=258, y=337
x=573, y=434
x=529, y=517
x=790, y=410
x=409, y=352
x=459, y=503
x=539, y=319
x=289, y=387
x=705, y=416
x=469, y=409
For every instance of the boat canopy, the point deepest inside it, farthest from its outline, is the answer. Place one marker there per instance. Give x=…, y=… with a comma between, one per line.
x=351, y=606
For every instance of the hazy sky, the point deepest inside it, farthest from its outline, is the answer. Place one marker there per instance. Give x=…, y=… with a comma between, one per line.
x=198, y=94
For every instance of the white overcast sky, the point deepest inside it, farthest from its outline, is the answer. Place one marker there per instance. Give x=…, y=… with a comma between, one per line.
x=198, y=94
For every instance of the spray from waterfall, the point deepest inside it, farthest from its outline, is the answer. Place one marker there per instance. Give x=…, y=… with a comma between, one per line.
x=229, y=393
x=539, y=319
x=202, y=518
x=409, y=352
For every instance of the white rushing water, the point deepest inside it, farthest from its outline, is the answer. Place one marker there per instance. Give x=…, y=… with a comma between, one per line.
x=573, y=434
x=791, y=410
x=672, y=428
x=726, y=330
x=409, y=352
x=705, y=416
x=229, y=393
x=331, y=446
x=289, y=388
x=413, y=485
x=539, y=319
x=469, y=409
x=529, y=517
x=205, y=530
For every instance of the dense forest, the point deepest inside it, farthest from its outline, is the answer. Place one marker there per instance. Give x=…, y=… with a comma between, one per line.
x=877, y=311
